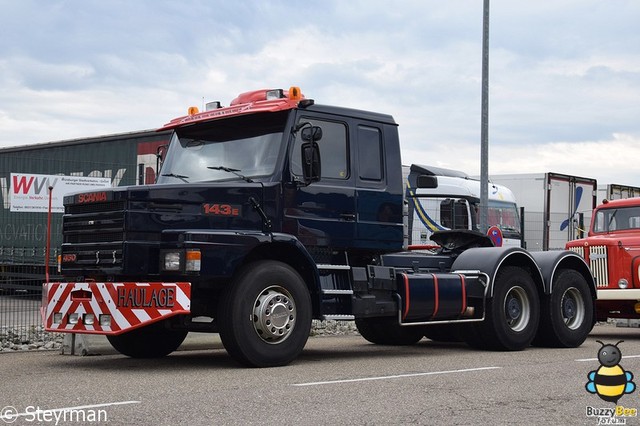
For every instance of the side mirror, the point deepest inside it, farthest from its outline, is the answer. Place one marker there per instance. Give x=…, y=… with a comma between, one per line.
x=310, y=162
x=310, y=151
x=427, y=181
x=312, y=134
x=161, y=152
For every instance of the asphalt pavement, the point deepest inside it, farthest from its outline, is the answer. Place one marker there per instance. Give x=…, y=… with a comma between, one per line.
x=338, y=380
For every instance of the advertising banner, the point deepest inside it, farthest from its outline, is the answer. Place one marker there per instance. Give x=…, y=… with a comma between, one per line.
x=30, y=192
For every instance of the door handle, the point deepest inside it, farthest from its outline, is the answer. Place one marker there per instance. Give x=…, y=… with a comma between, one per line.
x=348, y=216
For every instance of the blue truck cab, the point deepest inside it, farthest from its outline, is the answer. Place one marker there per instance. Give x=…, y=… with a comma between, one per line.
x=274, y=211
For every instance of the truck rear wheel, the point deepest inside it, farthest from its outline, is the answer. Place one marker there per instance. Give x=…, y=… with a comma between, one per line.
x=512, y=315
x=387, y=331
x=265, y=315
x=151, y=341
x=567, y=313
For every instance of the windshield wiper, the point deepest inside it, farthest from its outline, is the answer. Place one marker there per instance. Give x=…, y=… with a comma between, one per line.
x=611, y=220
x=234, y=171
x=181, y=177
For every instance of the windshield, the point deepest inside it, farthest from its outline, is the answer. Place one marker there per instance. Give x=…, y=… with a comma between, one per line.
x=228, y=149
x=502, y=214
x=607, y=220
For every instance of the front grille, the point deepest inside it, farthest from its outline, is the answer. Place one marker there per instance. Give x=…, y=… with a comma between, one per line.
x=95, y=237
x=93, y=227
x=599, y=265
x=107, y=256
x=95, y=233
x=579, y=250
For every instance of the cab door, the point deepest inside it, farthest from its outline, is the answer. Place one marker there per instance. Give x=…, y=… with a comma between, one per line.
x=322, y=215
x=378, y=199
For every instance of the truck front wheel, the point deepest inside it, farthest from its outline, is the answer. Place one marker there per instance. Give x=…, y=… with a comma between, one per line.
x=265, y=315
x=567, y=313
x=151, y=341
x=512, y=315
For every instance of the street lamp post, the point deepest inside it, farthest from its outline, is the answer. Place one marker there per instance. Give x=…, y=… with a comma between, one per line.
x=484, y=123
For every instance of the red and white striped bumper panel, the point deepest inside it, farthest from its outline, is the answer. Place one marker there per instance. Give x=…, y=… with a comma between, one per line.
x=111, y=308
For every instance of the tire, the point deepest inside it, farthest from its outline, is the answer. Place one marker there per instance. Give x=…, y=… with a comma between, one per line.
x=265, y=315
x=151, y=341
x=512, y=316
x=387, y=331
x=443, y=333
x=566, y=315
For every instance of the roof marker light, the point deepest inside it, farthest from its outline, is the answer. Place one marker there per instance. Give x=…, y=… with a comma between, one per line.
x=274, y=94
x=193, y=110
x=212, y=105
x=295, y=94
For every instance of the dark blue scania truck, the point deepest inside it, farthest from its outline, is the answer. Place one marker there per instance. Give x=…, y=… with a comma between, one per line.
x=274, y=211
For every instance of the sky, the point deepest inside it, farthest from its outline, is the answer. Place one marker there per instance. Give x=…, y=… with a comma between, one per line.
x=564, y=75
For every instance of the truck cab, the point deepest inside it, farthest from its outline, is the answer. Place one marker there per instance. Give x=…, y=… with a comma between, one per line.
x=454, y=203
x=353, y=207
x=612, y=249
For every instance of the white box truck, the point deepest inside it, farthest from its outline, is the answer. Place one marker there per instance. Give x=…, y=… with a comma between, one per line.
x=614, y=191
x=557, y=207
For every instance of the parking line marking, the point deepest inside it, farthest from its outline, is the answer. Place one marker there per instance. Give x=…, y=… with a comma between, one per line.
x=397, y=376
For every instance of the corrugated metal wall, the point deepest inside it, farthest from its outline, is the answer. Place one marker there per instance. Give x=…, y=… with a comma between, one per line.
x=127, y=159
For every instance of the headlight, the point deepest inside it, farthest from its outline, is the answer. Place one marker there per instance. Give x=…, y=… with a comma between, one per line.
x=623, y=283
x=171, y=261
x=180, y=260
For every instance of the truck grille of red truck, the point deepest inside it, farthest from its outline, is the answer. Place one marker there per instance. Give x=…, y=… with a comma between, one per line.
x=598, y=263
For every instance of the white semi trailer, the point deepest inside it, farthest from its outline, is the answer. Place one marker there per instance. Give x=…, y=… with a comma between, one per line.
x=557, y=207
x=614, y=191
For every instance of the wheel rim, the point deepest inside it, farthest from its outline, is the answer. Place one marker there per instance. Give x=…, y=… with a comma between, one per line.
x=572, y=306
x=517, y=307
x=274, y=314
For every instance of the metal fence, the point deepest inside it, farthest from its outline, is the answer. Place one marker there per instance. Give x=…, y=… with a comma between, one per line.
x=22, y=272
x=20, y=324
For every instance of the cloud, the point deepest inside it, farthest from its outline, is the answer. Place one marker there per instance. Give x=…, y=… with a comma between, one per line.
x=564, y=75
x=608, y=160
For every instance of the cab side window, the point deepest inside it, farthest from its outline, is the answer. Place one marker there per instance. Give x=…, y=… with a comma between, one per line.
x=334, y=149
x=370, y=153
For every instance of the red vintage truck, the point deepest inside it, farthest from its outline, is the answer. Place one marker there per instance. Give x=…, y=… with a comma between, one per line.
x=612, y=250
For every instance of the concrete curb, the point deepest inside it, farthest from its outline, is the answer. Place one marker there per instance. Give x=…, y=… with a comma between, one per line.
x=93, y=344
